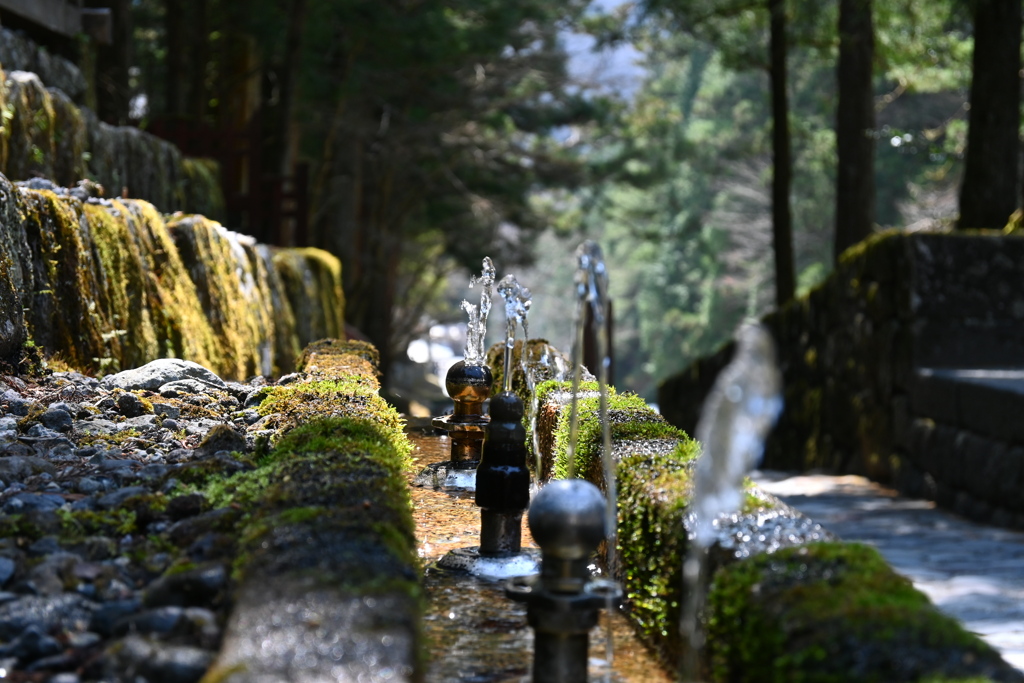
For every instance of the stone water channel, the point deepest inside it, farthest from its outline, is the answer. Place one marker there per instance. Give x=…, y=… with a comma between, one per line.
x=473, y=632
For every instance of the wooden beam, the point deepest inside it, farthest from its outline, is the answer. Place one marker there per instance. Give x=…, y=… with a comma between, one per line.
x=59, y=16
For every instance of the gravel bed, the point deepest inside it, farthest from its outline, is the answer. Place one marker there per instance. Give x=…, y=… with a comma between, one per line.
x=114, y=566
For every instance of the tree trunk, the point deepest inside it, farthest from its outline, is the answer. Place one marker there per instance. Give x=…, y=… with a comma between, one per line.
x=289, y=78
x=989, y=193
x=174, y=24
x=782, y=220
x=200, y=53
x=855, y=123
x=113, y=91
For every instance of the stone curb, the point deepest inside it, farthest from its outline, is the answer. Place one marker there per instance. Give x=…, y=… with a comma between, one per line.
x=329, y=581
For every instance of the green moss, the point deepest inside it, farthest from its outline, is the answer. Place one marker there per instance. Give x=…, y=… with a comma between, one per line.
x=831, y=612
x=83, y=523
x=113, y=439
x=630, y=419
x=652, y=541
x=312, y=286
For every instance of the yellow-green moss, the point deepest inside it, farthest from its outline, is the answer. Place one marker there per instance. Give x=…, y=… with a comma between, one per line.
x=229, y=303
x=630, y=417
x=312, y=284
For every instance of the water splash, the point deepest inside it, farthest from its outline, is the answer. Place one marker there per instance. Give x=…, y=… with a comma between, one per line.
x=744, y=403
x=541, y=360
x=517, y=307
x=477, y=328
x=591, y=281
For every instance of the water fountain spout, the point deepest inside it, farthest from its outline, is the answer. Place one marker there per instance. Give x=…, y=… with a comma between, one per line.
x=567, y=519
x=469, y=381
x=468, y=386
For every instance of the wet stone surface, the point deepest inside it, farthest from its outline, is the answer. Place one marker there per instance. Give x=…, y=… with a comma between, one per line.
x=972, y=572
x=110, y=568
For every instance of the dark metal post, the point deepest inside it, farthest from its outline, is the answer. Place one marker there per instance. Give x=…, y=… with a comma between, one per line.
x=502, y=480
x=568, y=522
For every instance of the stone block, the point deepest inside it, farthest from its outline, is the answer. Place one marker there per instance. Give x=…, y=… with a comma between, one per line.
x=933, y=395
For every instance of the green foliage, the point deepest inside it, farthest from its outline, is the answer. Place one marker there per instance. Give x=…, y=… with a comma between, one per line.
x=680, y=179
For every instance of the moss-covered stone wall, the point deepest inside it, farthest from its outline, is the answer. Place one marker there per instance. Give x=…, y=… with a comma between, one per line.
x=44, y=133
x=856, y=352
x=785, y=601
x=103, y=285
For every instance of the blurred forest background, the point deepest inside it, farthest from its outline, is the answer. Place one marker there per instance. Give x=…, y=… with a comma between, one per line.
x=756, y=140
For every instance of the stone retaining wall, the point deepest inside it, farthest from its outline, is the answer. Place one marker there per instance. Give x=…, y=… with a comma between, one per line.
x=862, y=356
x=45, y=134
x=107, y=284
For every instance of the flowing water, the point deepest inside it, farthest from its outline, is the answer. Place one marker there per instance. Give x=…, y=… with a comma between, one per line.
x=742, y=406
x=517, y=307
x=475, y=634
x=591, y=280
x=476, y=329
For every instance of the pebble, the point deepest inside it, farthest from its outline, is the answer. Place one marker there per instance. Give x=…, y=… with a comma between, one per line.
x=76, y=609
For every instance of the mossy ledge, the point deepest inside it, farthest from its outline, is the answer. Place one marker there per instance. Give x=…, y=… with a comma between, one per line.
x=101, y=285
x=327, y=546
x=836, y=612
x=799, y=607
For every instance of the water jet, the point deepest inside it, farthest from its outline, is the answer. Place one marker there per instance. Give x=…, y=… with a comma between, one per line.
x=468, y=384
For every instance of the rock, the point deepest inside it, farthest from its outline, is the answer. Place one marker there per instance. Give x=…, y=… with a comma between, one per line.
x=44, y=546
x=161, y=620
x=153, y=473
x=154, y=375
x=98, y=427
x=88, y=485
x=54, y=448
x=14, y=404
x=19, y=467
x=8, y=424
x=38, y=431
x=31, y=645
x=24, y=502
x=166, y=410
x=7, y=569
x=135, y=658
x=143, y=422
x=67, y=612
x=189, y=505
x=221, y=438
x=185, y=386
x=14, y=448
x=57, y=419
x=201, y=587
x=117, y=498
x=201, y=426
x=105, y=618
x=131, y=405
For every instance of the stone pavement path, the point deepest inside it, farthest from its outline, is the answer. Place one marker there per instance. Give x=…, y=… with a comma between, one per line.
x=970, y=571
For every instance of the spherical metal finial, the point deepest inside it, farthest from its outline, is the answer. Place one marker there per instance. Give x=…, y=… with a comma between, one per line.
x=469, y=386
x=567, y=519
